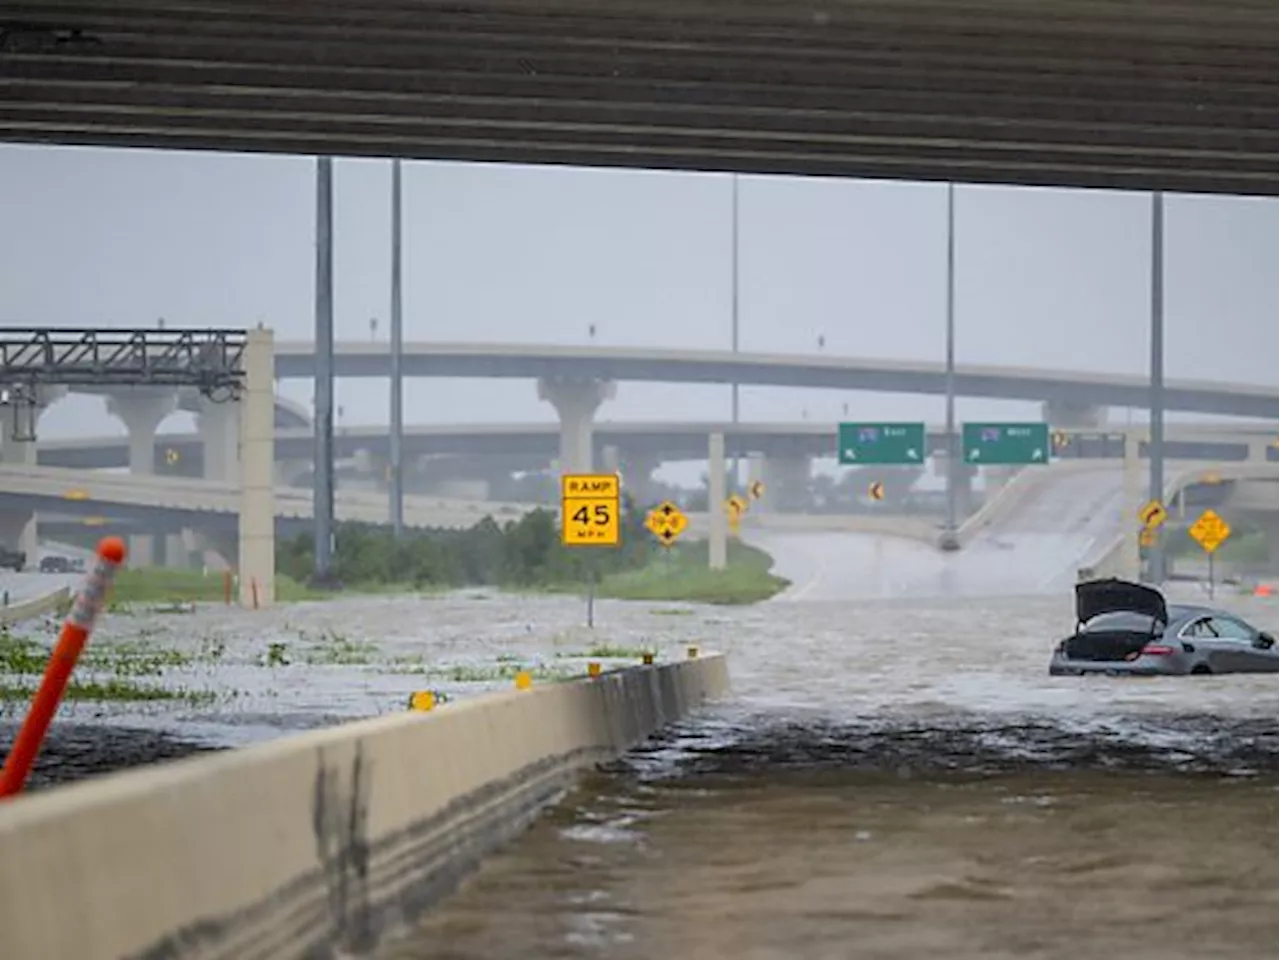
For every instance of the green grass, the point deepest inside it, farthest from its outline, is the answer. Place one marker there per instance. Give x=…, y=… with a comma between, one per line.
x=683, y=575
x=122, y=663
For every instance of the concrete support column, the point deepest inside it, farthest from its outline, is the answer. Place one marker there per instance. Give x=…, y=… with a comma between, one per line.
x=610, y=462
x=18, y=429
x=718, y=542
x=219, y=426
x=257, y=566
x=18, y=528
x=637, y=478
x=576, y=403
x=788, y=479
x=142, y=410
x=1062, y=414
x=1258, y=451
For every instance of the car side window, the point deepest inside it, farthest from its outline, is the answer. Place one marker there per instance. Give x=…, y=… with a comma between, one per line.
x=1198, y=628
x=1229, y=629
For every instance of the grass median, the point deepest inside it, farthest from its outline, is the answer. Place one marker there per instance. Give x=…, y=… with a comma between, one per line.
x=682, y=574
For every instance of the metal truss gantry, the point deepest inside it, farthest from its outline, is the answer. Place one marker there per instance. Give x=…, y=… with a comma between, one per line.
x=211, y=361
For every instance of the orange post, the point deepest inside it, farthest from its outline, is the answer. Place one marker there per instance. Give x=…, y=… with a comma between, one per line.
x=226, y=587
x=75, y=632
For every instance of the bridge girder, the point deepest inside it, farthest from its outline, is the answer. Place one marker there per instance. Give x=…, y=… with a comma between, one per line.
x=1161, y=94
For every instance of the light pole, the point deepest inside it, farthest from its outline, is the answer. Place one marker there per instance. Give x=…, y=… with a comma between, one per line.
x=322, y=482
x=395, y=464
x=1155, y=450
x=733, y=316
x=949, y=541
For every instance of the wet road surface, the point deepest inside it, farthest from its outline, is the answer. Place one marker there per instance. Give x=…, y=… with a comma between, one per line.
x=1035, y=549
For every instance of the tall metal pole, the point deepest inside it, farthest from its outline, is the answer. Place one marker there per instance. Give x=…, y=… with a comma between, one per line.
x=733, y=300
x=322, y=496
x=397, y=355
x=1155, y=449
x=951, y=446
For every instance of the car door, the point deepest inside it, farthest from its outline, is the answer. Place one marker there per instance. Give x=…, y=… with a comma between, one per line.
x=1211, y=649
x=1235, y=650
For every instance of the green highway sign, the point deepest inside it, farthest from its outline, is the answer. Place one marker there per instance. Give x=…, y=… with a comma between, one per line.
x=1006, y=443
x=882, y=443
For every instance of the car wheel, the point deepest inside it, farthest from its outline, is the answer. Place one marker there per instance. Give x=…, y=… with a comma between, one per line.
x=1201, y=670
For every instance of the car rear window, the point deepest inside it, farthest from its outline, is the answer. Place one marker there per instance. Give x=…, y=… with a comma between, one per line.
x=1129, y=622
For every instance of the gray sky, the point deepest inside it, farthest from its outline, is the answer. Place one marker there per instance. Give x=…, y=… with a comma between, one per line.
x=1046, y=278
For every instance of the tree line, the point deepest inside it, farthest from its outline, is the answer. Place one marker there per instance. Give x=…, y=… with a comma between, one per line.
x=524, y=553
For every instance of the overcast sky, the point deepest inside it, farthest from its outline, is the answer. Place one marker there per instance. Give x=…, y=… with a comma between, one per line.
x=1045, y=278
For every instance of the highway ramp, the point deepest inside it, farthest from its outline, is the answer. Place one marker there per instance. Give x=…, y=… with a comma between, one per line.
x=1033, y=547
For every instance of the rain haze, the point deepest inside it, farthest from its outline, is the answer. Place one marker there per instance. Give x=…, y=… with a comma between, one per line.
x=1044, y=278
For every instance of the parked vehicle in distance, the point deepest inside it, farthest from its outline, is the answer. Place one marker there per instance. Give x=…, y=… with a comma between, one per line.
x=1127, y=629
x=54, y=563
x=12, y=559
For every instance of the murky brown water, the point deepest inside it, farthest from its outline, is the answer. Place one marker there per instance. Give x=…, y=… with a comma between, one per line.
x=825, y=866
x=901, y=779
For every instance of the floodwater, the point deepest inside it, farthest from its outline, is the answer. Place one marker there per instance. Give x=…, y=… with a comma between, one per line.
x=897, y=777
x=894, y=780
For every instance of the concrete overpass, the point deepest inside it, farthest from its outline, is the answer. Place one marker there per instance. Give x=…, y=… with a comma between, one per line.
x=1097, y=93
x=179, y=503
x=1070, y=389
x=537, y=444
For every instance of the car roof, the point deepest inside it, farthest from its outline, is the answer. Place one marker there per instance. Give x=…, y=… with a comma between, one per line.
x=1191, y=611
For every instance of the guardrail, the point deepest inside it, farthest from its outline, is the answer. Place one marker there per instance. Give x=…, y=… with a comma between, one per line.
x=33, y=607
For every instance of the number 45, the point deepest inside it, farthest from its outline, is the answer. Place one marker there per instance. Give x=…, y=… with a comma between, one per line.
x=599, y=515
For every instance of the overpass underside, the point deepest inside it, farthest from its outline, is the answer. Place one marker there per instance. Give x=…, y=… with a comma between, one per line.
x=1163, y=94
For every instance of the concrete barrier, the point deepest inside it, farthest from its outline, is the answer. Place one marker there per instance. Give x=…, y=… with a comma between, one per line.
x=314, y=845
x=34, y=607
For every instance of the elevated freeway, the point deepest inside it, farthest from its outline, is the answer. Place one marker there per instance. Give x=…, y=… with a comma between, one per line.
x=296, y=359
x=538, y=443
x=175, y=503
x=212, y=505
x=1093, y=93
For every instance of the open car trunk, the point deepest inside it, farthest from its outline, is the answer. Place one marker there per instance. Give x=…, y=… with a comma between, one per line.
x=1106, y=645
x=1115, y=620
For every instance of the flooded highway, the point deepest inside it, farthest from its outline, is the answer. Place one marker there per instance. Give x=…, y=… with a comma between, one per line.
x=898, y=777
x=895, y=776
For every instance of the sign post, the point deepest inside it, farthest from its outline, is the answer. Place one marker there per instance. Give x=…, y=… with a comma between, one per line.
x=590, y=516
x=1211, y=532
x=881, y=443
x=1006, y=443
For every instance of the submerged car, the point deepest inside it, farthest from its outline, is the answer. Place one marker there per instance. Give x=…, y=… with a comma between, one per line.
x=1127, y=628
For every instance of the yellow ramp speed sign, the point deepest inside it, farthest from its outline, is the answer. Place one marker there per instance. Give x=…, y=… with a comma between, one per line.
x=590, y=505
